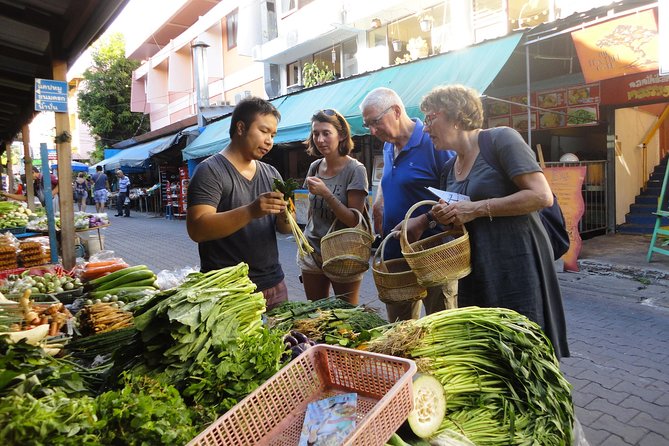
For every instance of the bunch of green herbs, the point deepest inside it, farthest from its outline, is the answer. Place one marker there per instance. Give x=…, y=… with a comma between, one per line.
x=239, y=367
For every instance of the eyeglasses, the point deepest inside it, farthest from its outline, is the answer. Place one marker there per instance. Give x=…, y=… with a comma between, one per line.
x=429, y=118
x=374, y=122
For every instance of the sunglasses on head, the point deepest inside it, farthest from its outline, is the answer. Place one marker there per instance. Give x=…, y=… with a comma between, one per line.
x=326, y=112
x=330, y=113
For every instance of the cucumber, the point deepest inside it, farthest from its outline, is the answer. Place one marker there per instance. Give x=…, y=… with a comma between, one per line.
x=115, y=291
x=396, y=440
x=140, y=283
x=429, y=405
x=109, y=277
x=128, y=277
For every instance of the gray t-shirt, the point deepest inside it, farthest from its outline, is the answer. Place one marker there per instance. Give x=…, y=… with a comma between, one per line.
x=216, y=182
x=352, y=177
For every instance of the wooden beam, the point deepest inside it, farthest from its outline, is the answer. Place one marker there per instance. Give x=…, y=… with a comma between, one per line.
x=28, y=163
x=10, y=168
x=65, y=197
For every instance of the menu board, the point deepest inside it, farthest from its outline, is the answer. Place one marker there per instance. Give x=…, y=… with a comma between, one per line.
x=512, y=113
x=569, y=107
x=561, y=107
x=566, y=184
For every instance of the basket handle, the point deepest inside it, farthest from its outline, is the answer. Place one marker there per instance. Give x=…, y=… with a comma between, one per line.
x=360, y=220
x=381, y=250
x=404, y=241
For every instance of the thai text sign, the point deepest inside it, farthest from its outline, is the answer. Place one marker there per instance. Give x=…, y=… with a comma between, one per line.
x=50, y=95
x=566, y=183
x=618, y=47
x=635, y=88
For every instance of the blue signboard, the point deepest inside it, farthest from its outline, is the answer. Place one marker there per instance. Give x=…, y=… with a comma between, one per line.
x=50, y=95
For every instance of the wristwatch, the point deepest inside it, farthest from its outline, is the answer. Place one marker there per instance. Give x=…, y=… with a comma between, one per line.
x=431, y=222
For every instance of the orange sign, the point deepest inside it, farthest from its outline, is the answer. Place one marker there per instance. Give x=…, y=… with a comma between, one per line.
x=566, y=183
x=618, y=47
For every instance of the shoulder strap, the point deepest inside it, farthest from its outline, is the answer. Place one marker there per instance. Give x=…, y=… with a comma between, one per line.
x=485, y=149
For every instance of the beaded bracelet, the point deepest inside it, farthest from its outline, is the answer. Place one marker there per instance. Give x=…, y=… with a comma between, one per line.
x=487, y=207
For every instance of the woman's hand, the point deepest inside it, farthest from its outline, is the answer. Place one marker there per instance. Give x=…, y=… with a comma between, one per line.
x=457, y=213
x=415, y=228
x=317, y=187
x=267, y=203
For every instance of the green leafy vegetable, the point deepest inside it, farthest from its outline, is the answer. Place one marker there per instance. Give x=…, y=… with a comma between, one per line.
x=287, y=188
x=241, y=365
x=55, y=419
x=144, y=412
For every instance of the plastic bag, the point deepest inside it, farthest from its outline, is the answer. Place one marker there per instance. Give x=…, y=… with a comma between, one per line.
x=101, y=256
x=578, y=436
x=126, y=201
x=169, y=279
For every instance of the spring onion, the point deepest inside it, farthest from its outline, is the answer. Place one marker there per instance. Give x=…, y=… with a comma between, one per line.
x=501, y=378
x=287, y=188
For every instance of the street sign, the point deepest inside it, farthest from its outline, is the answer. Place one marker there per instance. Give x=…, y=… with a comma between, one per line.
x=50, y=95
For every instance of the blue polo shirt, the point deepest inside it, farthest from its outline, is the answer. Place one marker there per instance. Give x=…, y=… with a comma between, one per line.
x=406, y=178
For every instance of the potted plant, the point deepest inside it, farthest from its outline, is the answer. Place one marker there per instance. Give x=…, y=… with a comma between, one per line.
x=313, y=75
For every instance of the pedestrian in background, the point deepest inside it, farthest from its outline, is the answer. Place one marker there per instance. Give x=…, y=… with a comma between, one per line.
x=80, y=191
x=410, y=165
x=38, y=188
x=100, y=189
x=511, y=256
x=337, y=185
x=233, y=213
x=123, y=198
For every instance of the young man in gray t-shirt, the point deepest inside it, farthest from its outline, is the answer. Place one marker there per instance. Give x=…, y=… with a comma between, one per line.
x=232, y=211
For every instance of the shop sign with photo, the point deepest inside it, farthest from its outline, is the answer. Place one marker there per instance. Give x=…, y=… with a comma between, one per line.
x=572, y=106
x=569, y=107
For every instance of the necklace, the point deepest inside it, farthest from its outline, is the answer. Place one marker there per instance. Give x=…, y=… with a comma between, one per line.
x=460, y=169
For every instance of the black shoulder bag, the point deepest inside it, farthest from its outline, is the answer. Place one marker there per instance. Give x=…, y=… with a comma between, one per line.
x=551, y=217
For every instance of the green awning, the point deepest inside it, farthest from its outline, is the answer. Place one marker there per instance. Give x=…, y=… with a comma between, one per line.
x=474, y=66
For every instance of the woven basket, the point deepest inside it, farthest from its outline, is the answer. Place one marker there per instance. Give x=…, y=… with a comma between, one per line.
x=273, y=414
x=438, y=259
x=394, y=279
x=346, y=251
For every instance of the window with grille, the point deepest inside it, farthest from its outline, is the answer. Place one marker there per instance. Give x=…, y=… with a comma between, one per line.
x=231, y=22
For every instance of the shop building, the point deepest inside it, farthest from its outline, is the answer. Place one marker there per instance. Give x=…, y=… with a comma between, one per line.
x=505, y=49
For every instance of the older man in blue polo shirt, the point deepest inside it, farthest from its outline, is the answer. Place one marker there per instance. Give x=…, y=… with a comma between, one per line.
x=122, y=209
x=411, y=164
